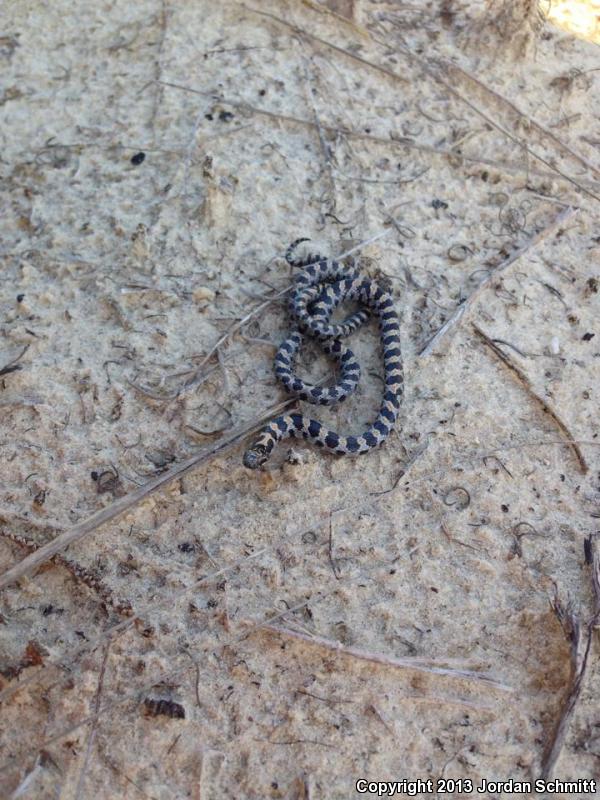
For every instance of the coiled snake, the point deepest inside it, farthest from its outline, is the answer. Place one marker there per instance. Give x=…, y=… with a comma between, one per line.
x=320, y=285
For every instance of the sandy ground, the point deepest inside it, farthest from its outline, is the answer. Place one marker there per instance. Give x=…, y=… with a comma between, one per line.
x=424, y=612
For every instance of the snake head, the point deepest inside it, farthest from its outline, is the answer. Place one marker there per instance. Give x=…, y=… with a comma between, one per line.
x=255, y=457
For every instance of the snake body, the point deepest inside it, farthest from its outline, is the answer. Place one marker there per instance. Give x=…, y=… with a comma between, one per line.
x=320, y=286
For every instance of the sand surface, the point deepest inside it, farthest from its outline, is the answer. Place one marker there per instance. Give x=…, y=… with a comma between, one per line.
x=426, y=611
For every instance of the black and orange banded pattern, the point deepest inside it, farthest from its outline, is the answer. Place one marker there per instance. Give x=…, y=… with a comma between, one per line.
x=320, y=286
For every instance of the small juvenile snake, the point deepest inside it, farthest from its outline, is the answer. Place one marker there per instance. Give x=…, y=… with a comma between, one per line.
x=320, y=285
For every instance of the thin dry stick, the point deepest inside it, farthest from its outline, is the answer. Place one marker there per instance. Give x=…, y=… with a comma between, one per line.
x=93, y=729
x=447, y=65
x=520, y=142
x=580, y=651
x=79, y=573
x=330, y=45
x=42, y=670
x=556, y=223
x=363, y=244
x=240, y=324
x=401, y=141
x=434, y=697
x=443, y=69
x=325, y=11
x=29, y=779
x=177, y=674
x=544, y=405
x=123, y=504
x=330, y=549
x=432, y=74
x=196, y=380
x=390, y=661
x=26, y=401
x=325, y=148
x=258, y=626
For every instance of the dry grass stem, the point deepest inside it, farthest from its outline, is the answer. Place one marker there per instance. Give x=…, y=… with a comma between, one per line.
x=129, y=501
x=446, y=700
x=29, y=779
x=432, y=73
x=420, y=665
x=534, y=241
x=449, y=66
x=94, y=724
x=37, y=673
x=325, y=148
x=399, y=142
x=569, y=441
x=520, y=142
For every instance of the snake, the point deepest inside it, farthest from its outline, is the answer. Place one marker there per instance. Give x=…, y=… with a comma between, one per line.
x=319, y=286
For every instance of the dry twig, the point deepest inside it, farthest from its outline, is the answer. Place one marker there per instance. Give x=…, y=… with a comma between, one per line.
x=401, y=141
x=545, y=133
x=94, y=724
x=325, y=148
x=80, y=573
x=432, y=73
x=420, y=665
x=460, y=311
x=544, y=405
x=129, y=501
